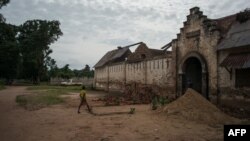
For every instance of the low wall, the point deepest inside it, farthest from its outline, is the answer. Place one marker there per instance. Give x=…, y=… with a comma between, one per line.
x=76, y=80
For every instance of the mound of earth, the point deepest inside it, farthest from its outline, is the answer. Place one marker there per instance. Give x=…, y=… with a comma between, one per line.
x=193, y=106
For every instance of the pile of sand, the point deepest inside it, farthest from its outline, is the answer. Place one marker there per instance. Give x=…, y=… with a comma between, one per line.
x=193, y=106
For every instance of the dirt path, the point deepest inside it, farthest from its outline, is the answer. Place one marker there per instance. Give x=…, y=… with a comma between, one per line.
x=62, y=123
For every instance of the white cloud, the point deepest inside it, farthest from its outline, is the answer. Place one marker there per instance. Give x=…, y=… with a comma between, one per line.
x=92, y=27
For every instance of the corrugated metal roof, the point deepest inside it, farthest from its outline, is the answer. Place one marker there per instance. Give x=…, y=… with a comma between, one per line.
x=120, y=52
x=141, y=50
x=111, y=55
x=237, y=36
x=237, y=61
x=156, y=52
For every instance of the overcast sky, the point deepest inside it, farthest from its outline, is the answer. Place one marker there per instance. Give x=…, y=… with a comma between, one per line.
x=93, y=27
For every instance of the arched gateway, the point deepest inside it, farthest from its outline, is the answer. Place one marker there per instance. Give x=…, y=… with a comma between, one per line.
x=193, y=74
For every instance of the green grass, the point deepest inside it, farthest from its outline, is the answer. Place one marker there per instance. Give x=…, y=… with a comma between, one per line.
x=59, y=88
x=44, y=95
x=2, y=87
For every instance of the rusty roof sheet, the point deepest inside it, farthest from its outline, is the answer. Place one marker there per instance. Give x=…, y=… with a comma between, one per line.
x=237, y=61
x=237, y=36
x=111, y=55
x=156, y=52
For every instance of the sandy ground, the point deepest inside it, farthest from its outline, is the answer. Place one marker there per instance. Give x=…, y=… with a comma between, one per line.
x=62, y=123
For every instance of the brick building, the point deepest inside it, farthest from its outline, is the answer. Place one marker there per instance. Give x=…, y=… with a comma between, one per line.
x=210, y=55
x=144, y=67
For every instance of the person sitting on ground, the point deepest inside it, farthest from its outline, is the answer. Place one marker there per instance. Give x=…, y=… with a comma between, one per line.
x=83, y=100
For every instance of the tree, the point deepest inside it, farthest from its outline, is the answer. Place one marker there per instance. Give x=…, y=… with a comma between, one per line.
x=3, y=3
x=35, y=39
x=87, y=68
x=9, y=52
x=66, y=72
x=78, y=73
x=87, y=72
x=52, y=68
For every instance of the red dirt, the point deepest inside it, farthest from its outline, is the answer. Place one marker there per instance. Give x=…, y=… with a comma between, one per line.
x=61, y=122
x=193, y=106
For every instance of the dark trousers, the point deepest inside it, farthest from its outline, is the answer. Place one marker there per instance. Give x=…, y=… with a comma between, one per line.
x=83, y=102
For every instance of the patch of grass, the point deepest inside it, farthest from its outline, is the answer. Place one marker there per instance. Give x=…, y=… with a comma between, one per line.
x=163, y=101
x=154, y=103
x=60, y=88
x=245, y=122
x=159, y=101
x=2, y=87
x=21, y=100
x=44, y=95
x=39, y=100
x=132, y=111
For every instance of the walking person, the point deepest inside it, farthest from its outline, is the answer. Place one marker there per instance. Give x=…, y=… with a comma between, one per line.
x=83, y=100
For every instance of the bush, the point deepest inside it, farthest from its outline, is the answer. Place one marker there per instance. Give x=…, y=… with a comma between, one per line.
x=2, y=85
x=132, y=111
x=163, y=101
x=156, y=101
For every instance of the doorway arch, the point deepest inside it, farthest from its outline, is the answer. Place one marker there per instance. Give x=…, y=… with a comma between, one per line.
x=193, y=74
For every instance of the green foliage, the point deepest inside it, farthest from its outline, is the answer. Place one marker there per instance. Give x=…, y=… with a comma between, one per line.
x=37, y=101
x=163, y=101
x=87, y=72
x=154, y=103
x=3, y=3
x=132, y=111
x=35, y=39
x=22, y=100
x=66, y=73
x=2, y=87
x=159, y=101
x=63, y=89
x=25, y=49
x=9, y=52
